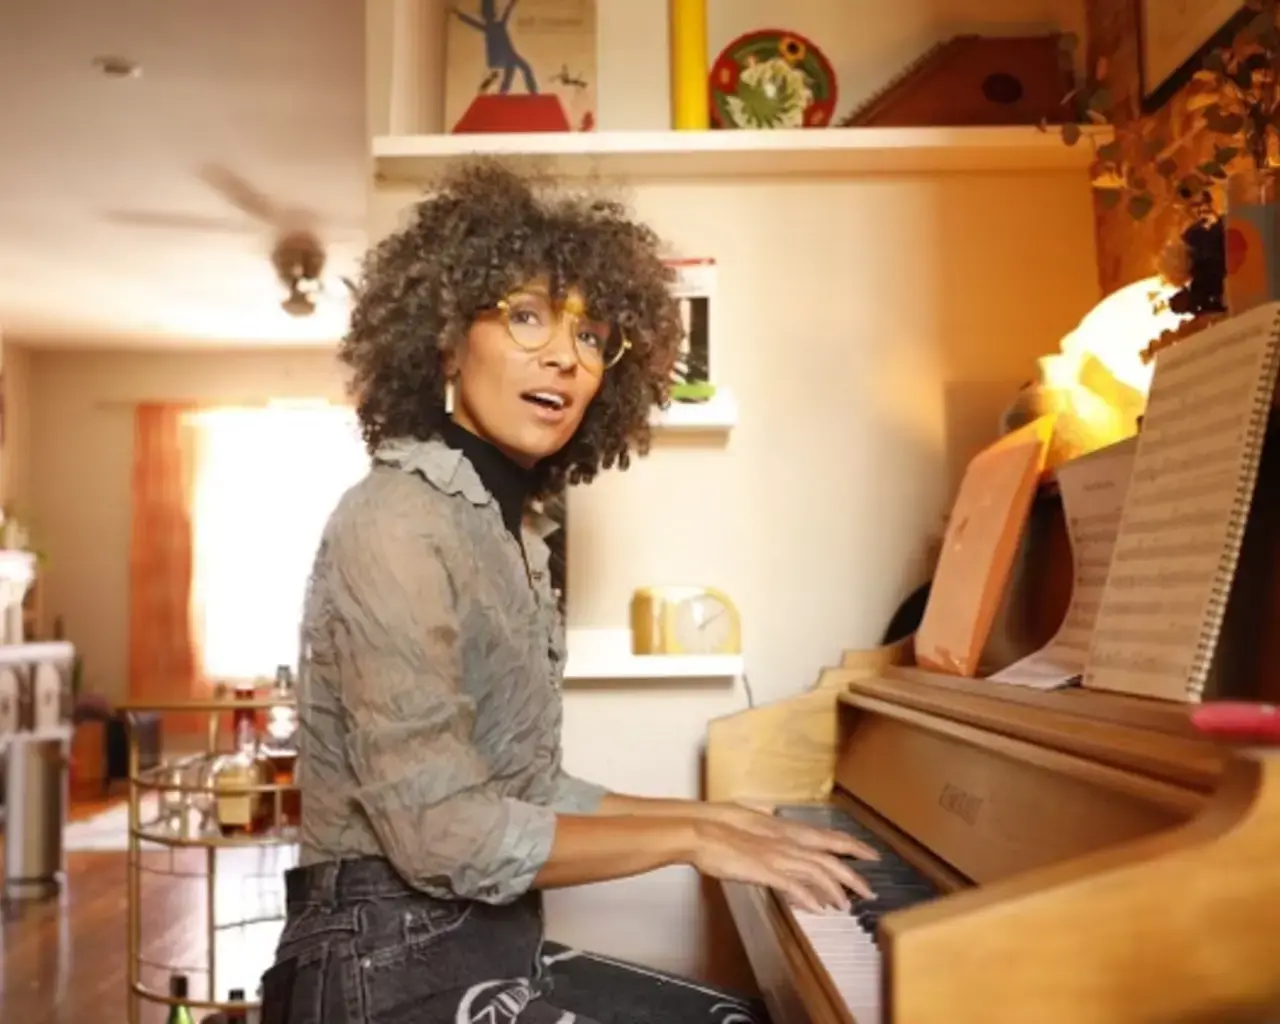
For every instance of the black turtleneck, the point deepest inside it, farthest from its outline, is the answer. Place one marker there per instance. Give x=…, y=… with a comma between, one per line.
x=508, y=482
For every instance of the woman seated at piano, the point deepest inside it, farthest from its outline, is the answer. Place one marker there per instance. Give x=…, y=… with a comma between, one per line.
x=509, y=340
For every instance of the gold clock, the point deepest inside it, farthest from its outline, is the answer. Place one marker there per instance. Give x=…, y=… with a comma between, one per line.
x=684, y=620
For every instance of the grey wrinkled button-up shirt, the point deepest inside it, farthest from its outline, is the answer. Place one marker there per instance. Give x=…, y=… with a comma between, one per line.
x=429, y=696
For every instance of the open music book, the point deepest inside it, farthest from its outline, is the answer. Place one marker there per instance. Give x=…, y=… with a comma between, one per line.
x=1195, y=467
x=1093, y=489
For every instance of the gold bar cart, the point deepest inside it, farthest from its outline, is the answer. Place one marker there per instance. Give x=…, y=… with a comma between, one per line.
x=173, y=836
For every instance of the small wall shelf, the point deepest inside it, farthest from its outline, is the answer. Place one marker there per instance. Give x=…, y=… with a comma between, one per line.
x=713, y=154
x=605, y=654
x=719, y=413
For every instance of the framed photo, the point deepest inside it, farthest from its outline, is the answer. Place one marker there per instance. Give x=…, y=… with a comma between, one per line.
x=695, y=288
x=1174, y=36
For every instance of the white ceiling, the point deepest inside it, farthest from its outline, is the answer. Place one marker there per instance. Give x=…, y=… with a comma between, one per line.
x=113, y=230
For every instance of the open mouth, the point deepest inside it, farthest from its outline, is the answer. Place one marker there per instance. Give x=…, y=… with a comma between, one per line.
x=546, y=400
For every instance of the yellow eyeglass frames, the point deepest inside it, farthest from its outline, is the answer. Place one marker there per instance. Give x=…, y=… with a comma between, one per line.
x=530, y=318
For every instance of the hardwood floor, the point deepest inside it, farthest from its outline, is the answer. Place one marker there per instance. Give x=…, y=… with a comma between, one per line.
x=65, y=961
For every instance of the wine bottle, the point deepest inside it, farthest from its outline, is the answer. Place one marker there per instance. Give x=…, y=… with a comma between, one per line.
x=280, y=745
x=179, y=1012
x=235, y=1015
x=241, y=808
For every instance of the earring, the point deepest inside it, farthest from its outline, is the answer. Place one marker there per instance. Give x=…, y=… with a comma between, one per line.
x=448, y=397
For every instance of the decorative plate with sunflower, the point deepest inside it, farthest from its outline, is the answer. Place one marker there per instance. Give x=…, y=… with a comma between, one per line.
x=772, y=79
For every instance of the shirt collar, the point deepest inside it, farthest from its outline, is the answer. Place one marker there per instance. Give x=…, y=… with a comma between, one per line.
x=443, y=467
x=449, y=471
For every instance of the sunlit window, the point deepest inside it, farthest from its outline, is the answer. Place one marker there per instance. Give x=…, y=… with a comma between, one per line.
x=266, y=480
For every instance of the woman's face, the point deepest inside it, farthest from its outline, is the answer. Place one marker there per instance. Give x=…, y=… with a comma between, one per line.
x=520, y=393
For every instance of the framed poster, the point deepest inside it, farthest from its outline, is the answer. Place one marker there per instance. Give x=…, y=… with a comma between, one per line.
x=520, y=66
x=1174, y=36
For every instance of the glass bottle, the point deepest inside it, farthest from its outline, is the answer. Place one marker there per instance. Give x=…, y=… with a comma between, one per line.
x=245, y=690
x=280, y=744
x=240, y=810
x=237, y=1015
x=179, y=1012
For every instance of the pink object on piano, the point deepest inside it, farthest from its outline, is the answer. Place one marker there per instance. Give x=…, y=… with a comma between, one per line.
x=1238, y=720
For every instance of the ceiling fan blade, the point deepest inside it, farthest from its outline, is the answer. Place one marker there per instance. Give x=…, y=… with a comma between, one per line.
x=284, y=218
x=244, y=197
x=178, y=222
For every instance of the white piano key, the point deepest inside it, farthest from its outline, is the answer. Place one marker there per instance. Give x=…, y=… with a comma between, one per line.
x=850, y=957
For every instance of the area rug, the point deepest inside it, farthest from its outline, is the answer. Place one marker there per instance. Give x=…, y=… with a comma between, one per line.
x=107, y=831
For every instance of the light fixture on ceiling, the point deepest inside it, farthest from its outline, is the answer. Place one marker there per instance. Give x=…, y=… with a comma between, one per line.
x=114, y=66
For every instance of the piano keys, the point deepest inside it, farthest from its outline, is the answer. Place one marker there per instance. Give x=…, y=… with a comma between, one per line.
x=848, y=944
x=1064, y=856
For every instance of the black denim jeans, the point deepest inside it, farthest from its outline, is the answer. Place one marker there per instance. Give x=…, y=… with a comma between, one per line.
x=361, y=947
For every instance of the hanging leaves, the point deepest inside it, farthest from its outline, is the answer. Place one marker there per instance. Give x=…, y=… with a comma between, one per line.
x=1111, y=152
x=1234, y=96
x=1213, y=64
x=1100, y=101
x=1220, y=121
x=1109, y=198
x=1191, y=186
x=1140, y=205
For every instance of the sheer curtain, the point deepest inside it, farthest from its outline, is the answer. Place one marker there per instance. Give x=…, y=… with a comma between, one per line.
x=266, y=480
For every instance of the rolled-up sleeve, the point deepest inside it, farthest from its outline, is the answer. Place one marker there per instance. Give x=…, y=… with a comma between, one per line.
x=573, y=795
x=420, y=780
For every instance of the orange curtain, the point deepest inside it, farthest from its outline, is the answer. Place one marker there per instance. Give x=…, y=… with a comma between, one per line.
x=163, y=655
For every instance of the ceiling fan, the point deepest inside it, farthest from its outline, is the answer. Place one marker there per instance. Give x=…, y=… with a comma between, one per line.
x=297, y=253
x=299, y=258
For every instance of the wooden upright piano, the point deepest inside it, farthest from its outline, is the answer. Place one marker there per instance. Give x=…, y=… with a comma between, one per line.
x=1046, y=856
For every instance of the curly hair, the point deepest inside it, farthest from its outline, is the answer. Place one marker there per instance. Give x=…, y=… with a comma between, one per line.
x=483, y=231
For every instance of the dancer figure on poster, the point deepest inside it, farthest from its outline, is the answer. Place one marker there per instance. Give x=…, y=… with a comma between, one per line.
x=499, y=52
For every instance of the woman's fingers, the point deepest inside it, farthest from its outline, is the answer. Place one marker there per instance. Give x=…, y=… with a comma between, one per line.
x=816, y=875
x=839, y=843
x=796, y=893
x=809, y=876
x=847, y=846
x=789, y=885
x=840, y=874
x=849, y=878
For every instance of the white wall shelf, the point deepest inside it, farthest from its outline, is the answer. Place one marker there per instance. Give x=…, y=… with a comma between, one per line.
x=719, y=413
x=605, y=654
x=798, y=152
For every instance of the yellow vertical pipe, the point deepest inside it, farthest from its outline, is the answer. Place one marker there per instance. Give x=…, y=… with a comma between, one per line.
x=688, y=29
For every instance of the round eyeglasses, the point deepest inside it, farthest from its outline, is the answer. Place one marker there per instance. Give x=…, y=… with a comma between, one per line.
x=531, y=318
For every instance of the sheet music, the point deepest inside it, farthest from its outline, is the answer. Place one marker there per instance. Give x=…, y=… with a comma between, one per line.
x=1196, y=462
x=1093, y=489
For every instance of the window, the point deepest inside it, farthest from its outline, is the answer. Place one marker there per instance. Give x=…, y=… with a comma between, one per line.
x=266, y=480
